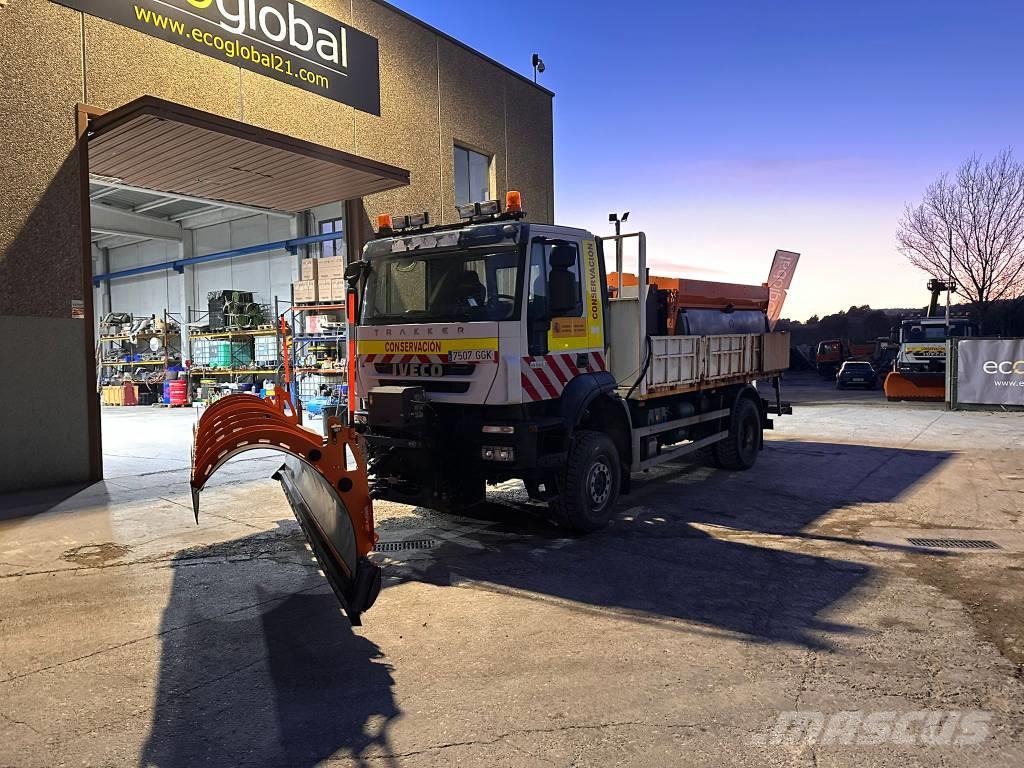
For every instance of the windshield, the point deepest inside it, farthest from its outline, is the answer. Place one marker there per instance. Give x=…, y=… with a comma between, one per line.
x=917, y=332
x=443, y=286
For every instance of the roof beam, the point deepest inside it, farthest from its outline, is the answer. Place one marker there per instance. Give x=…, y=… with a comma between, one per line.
x=116, y=221
x=101, y=193
x=195, y=212
x=116, y=185
x=154, y=204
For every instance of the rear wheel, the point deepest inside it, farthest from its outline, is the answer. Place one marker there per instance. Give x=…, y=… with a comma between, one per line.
x=739, y=450
x=590, y=484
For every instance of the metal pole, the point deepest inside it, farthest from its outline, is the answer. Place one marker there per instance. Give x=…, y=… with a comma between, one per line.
x=949, y=279
x=618, y=253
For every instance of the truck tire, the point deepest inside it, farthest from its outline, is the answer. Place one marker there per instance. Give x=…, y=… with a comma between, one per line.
x=739, y=450
x=590, y=483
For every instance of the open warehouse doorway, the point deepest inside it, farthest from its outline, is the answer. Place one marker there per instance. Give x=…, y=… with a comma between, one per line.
x=107, y=83
x=201, y=230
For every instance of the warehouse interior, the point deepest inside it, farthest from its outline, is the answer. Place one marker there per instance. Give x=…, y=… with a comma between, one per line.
x=203, y=287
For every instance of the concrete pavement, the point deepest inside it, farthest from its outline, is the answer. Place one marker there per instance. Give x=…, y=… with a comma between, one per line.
x=714, y=604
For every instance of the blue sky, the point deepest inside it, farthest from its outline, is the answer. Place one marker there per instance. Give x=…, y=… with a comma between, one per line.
x=730, y=129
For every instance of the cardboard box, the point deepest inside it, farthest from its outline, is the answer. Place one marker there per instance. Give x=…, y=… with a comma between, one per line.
x=304, y=291
x=309, y=269
x=316, y=323
x=331, y=289
x=331, y=267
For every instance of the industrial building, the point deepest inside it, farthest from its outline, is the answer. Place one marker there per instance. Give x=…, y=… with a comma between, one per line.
x=162, y=153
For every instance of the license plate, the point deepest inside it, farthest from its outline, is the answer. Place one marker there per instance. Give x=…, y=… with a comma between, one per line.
x=472, y=356
x=857, y=380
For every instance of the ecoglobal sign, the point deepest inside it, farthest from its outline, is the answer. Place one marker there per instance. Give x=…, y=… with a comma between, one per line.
x=284, y=40
x=990, y=371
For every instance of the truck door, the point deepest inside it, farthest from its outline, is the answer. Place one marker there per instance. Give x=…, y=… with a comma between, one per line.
x=565, y=312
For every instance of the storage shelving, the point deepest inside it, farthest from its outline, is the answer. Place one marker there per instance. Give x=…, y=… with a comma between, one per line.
x=232, y=356
x=315, y=355
x=143, y=354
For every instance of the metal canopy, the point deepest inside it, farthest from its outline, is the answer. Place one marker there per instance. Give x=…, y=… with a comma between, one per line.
x=164, y=146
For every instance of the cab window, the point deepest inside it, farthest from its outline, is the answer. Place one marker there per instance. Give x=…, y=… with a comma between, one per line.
x=555, y=288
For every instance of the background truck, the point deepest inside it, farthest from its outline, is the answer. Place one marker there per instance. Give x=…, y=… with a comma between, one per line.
x=919, y=370
x=496, y=349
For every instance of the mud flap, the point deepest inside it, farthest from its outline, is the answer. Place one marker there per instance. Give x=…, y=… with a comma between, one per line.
x=324, y=480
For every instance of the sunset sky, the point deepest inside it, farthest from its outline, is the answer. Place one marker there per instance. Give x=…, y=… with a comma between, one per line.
x=730, y=129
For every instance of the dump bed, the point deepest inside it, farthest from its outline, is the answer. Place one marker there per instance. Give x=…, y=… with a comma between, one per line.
x=668, y=365
x=650, y=366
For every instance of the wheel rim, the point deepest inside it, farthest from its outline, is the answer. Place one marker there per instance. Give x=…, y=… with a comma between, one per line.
x=599, y=484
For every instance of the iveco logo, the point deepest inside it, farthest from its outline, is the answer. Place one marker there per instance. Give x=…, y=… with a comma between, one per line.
x=1006, y=367
x=417, y=369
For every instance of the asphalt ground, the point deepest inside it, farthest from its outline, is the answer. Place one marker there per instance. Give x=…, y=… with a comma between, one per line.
x=779, y=616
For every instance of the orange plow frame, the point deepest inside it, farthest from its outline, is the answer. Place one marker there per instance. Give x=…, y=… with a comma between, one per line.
x=324, y=479
x=925, y=387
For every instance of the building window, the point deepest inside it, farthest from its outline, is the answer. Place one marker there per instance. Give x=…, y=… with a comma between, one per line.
x=472, y=176
x=330, y=248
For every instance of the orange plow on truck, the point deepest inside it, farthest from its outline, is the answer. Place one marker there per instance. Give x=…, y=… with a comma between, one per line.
x=323, y=477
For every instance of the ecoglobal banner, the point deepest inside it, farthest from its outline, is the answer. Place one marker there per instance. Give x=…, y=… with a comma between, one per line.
x=990, y=371
x=285, y=40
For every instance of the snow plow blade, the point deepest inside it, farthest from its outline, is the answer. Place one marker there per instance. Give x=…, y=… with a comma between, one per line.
x=925, y=387
x=324, y=480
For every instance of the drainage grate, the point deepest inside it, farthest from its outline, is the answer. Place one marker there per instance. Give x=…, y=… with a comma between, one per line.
x=399, y=546
x=955, y=543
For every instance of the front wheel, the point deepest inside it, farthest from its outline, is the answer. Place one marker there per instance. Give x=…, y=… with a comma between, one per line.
x=739, y=450
x=590, y=483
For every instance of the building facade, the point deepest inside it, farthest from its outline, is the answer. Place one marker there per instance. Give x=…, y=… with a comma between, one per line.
x=411, y=99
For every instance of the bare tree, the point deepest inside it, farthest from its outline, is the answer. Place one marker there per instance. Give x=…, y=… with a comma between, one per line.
x=971, y=225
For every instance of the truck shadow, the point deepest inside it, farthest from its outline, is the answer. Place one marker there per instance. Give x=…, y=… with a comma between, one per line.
x=259, y=667
x=260, y=675
x=703, y=545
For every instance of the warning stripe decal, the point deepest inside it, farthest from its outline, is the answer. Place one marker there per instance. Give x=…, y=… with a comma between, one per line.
x=544, y=377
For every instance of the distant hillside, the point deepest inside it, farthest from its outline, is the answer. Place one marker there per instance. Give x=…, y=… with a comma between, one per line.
x=866, y=324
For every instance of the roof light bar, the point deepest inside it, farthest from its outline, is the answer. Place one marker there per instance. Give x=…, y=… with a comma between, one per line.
x=413, y=220
x=472, y=210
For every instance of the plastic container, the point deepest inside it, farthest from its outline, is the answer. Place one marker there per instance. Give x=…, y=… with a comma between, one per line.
x=177, y=392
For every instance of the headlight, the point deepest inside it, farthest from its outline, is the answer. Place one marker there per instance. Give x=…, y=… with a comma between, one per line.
x=498, y=429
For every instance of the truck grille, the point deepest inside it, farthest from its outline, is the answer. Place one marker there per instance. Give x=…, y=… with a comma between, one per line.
x=429, y=384
x=447, y=369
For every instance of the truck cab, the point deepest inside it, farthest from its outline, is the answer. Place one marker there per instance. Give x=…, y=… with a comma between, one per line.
x=482, y=353
x=923, y=342
x=483, y=314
